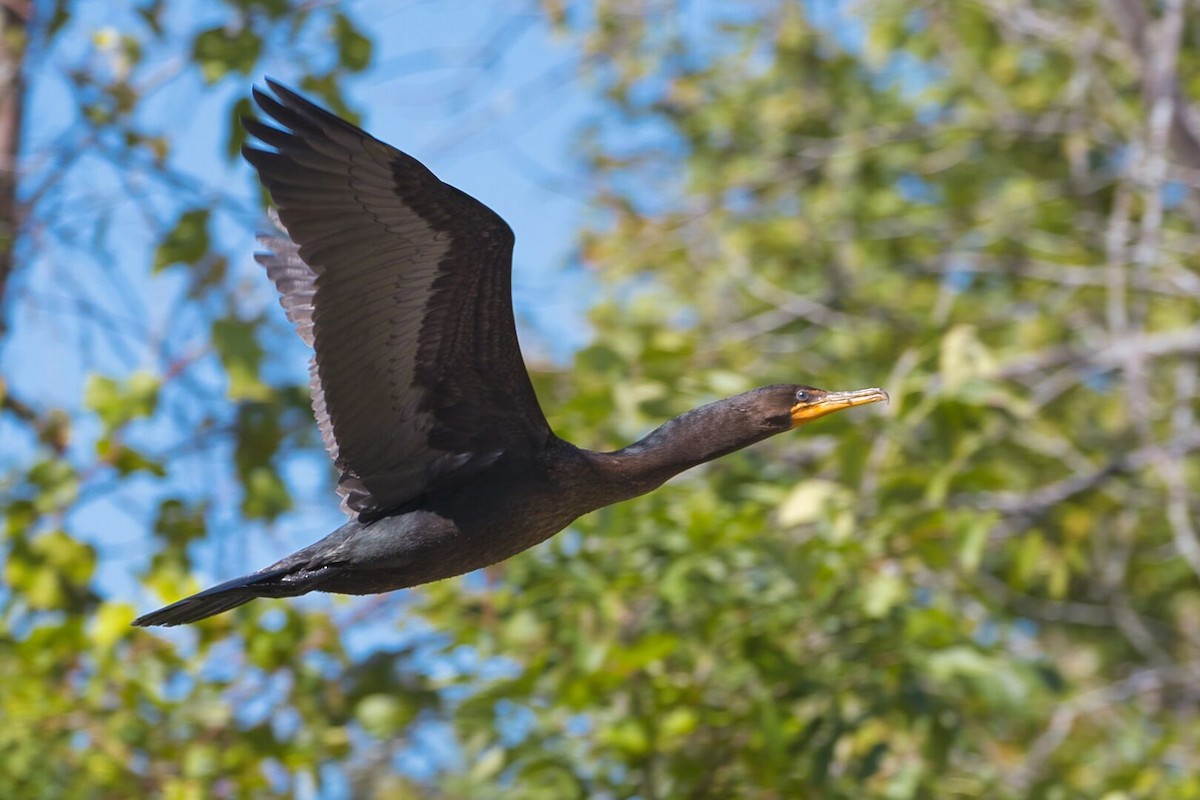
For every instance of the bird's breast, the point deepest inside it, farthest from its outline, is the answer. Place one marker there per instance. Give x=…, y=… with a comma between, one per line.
x=491, y=519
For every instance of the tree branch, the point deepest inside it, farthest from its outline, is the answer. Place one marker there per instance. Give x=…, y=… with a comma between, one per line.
x=13, y=19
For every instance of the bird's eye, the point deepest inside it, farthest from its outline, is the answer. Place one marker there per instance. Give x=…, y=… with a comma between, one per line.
x=802, y=396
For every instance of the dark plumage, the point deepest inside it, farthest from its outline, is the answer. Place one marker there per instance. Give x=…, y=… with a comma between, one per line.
x=401, y=284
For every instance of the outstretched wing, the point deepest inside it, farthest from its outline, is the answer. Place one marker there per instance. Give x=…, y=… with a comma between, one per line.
x=402, y=285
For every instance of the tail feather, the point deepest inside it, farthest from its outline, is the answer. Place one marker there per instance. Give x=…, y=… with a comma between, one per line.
x=285, y=582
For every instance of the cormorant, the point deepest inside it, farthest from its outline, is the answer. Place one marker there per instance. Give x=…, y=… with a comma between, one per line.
x=401, y=285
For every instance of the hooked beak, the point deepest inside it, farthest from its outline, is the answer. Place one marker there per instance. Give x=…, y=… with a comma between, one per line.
x=834, y=401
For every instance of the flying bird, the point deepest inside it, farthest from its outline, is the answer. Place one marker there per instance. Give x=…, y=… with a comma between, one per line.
x=401, y=284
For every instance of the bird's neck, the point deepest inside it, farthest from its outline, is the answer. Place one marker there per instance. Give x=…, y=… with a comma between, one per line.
x=692, y=438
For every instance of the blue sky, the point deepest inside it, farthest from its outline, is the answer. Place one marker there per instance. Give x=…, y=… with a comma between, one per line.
x=481, y=92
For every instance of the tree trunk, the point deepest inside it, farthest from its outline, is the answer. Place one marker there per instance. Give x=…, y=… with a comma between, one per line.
x=13, y=40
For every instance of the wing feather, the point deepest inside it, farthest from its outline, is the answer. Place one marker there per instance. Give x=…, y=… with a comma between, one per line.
x=402, y=285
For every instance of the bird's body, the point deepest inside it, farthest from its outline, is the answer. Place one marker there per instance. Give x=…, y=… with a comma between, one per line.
x=401, y=285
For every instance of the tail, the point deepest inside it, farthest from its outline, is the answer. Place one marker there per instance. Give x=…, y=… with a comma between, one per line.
x=270, y=582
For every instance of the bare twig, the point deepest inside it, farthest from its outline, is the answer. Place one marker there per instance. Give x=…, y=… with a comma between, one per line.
x=1063, y=719
x=1171, y=467
x=1021, y=506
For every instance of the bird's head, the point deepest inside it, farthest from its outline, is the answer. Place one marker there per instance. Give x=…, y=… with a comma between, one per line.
x=788, y=406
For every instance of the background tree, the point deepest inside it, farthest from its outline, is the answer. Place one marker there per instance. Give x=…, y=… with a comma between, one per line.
x=166, y=399
x=988, y=208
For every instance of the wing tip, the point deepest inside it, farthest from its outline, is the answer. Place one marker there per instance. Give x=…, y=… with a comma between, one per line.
x=293, y=110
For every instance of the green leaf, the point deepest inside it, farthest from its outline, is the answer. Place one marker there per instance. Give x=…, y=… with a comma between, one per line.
x=56, y=484
x=58, y=18
x=354, y=49
x=236, y=136
x=222, y=50
x=179, y=523
x=118, y=403
x=111, y=624
x=52, y=571
x=380, y=715
x=126, y=459
x=266, y=496
x=151, y=13
x=810, y=501
x=237, y=344
x=186, y=243
x=963, y=358
x=881, y=593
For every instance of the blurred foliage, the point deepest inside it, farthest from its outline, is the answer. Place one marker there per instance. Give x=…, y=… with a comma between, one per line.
x=988, y=590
